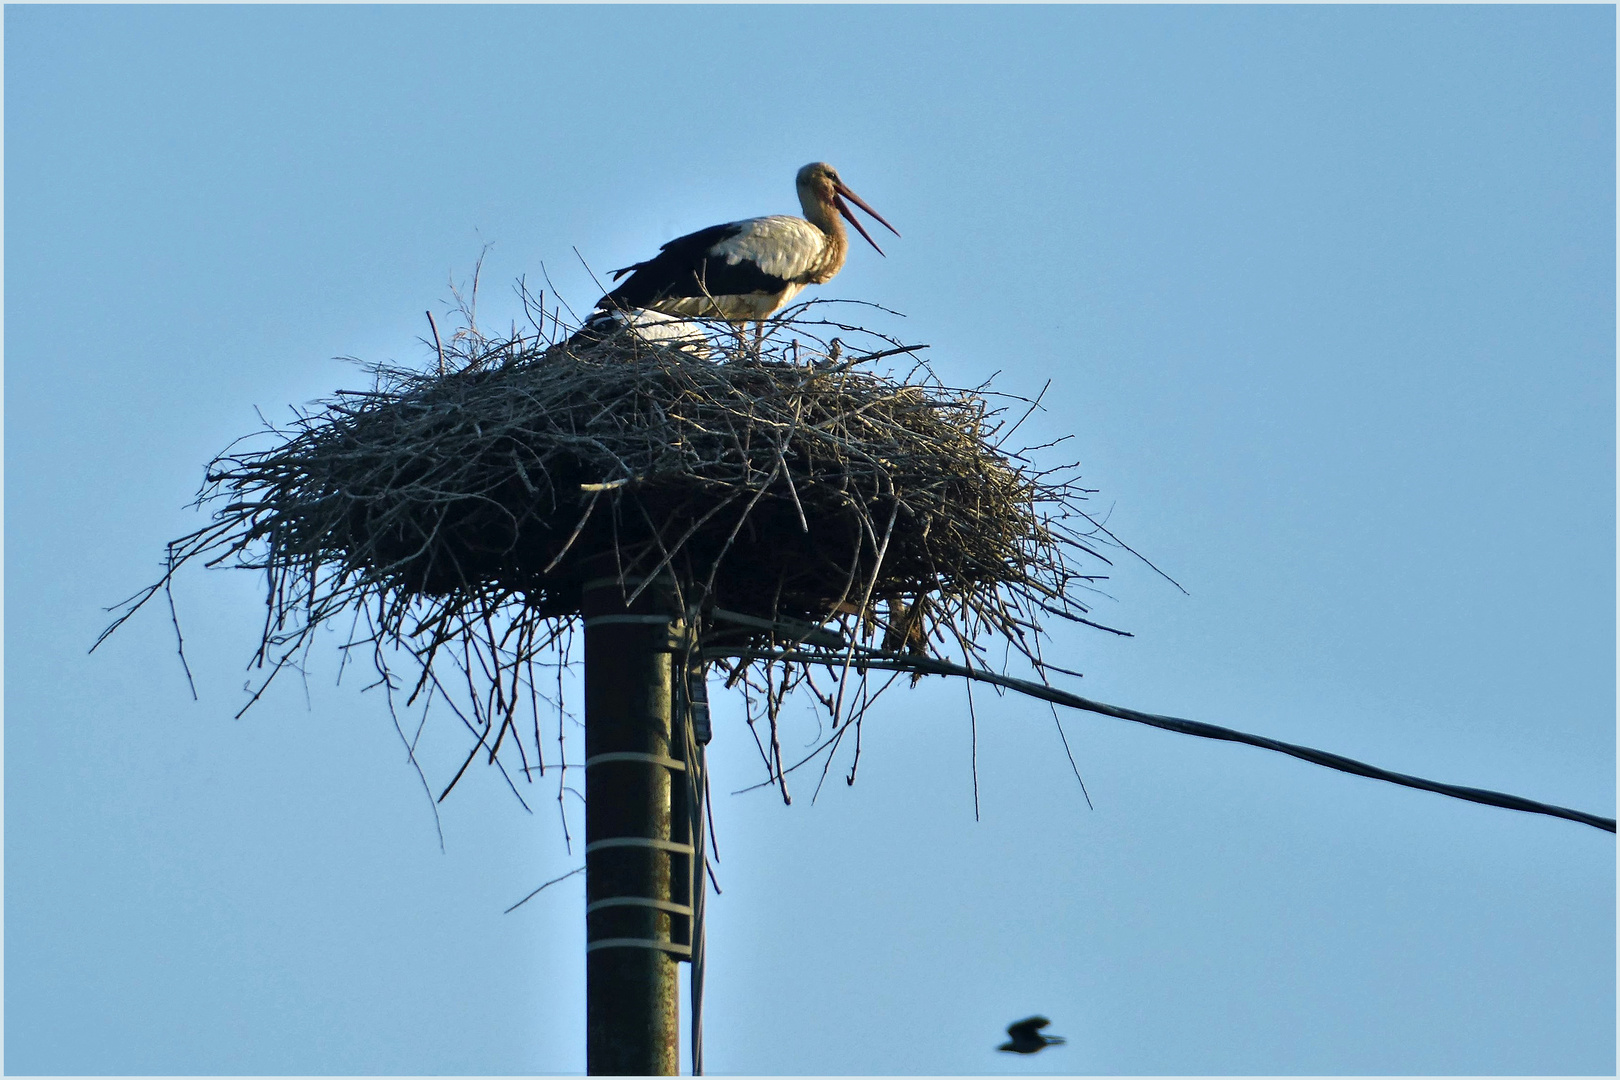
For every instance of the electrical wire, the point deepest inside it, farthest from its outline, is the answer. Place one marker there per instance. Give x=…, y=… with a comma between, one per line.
x=885, y=661
x=690, y=669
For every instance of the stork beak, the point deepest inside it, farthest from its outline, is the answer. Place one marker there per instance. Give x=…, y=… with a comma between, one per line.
x=840, y=190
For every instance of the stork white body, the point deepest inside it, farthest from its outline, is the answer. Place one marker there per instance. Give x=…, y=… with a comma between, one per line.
x=642, y=324
x=783, y=247
x=744, y=271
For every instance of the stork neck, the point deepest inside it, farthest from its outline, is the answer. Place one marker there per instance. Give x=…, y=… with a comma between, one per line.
x=825, y=218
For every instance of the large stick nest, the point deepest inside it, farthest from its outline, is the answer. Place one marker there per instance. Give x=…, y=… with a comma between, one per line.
x=460, y=510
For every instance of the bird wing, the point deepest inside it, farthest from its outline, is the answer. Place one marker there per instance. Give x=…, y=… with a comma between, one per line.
x=704, y=239
x=691, y=245
x=782, y=246
x=1027, y=1027
x=723, y=260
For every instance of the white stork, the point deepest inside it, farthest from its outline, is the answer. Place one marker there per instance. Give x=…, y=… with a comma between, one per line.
x=745, y=270
x=643, y=324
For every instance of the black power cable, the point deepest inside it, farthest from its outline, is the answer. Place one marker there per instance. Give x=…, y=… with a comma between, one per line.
x=885, y=661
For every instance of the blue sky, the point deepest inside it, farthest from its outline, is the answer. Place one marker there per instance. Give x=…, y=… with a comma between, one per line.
x=1326, y=296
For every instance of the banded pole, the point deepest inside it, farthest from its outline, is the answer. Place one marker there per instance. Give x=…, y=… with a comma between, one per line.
x=637, y=838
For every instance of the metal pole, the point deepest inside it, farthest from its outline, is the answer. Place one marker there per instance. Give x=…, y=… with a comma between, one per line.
x=637, y=868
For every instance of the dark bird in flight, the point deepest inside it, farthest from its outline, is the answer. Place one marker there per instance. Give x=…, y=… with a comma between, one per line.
x=1027, y=1037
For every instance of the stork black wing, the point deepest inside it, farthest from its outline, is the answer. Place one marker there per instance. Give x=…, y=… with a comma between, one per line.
x=686, y=266
x=698, y=243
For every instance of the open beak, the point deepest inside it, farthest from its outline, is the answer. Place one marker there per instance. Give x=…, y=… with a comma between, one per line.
x=841, y=190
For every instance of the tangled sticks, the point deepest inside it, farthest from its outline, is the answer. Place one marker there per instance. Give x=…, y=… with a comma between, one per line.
x=812, y=515
x=458, y=514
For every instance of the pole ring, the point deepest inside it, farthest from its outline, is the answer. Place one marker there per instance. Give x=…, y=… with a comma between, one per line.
x=639, y=842
x=639, y=901
x=631, y=620
x=632, y=755
x=602, y=582
x=682, y=951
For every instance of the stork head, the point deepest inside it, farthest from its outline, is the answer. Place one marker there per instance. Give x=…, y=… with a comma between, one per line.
x=819, y=186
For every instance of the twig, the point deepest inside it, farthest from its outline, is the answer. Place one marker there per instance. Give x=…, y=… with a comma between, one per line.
x=973, y=729
x=1070, y=755
x=438, y=346
x=543, y=888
